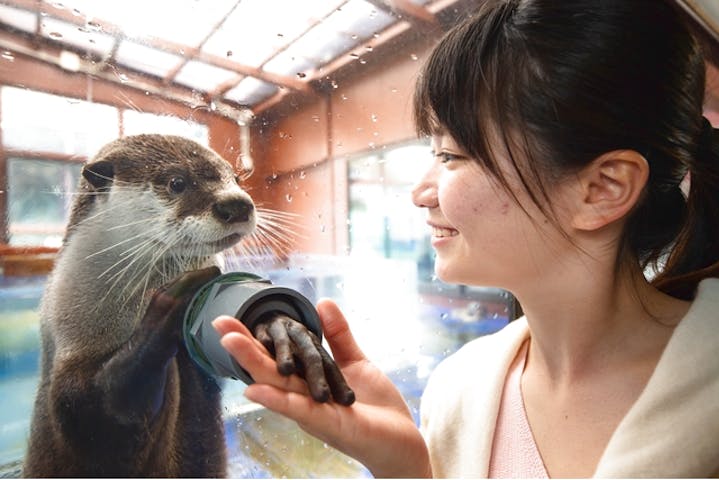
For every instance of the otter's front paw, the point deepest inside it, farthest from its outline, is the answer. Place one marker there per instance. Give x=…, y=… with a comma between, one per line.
x=168, y=304
x=297, y=350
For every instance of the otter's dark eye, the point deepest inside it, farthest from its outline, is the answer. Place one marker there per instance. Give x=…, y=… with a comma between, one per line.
x=177, y=185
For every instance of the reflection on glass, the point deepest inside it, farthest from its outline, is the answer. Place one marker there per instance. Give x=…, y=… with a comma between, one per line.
x=325, y=95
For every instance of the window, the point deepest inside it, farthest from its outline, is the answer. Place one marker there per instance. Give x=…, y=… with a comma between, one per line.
x=66, y=126
x=383, y=220
x=39, y=200
x=134, y=123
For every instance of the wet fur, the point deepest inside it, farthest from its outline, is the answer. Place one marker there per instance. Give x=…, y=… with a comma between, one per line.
x=118, y=394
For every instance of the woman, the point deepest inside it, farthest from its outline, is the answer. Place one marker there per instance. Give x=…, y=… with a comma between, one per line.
x=562, y=133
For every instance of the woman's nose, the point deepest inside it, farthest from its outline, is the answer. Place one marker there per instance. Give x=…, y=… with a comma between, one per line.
x=424, y=194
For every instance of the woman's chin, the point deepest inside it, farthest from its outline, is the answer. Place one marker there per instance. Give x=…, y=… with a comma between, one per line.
x=446, y=273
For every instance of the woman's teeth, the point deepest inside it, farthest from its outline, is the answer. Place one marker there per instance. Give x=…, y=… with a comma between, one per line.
x=443, y=232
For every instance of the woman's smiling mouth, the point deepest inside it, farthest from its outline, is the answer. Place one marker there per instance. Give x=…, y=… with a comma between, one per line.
x=441, y=232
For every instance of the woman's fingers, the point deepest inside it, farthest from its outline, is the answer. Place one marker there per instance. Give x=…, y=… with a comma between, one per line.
x=337, y=332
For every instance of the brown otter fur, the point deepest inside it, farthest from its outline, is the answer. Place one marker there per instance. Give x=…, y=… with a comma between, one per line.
x=118, y=394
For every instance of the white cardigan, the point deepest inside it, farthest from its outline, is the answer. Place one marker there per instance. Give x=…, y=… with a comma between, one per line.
x=672, y=430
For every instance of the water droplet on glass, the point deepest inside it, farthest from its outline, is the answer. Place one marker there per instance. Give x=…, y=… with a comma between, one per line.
x=123, y=78
x=288, y=197
x=302, y=174
x=354, y=55
x=322, y=228
x=229, y=53
x=334, y=84
x=373, y=117
x=354, y=37
x=301, y=74
x=368, y=48
x=413, y=57
x=56, y=34
x=6, y=55
x=315, y=118
x=362, y=61
x=444, y=316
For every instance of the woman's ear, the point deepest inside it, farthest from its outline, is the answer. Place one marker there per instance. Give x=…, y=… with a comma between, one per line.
x=610, y=187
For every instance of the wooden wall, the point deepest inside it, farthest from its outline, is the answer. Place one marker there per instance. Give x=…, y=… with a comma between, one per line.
x=302, y=151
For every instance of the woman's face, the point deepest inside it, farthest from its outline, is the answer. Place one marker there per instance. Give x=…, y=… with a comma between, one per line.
x=480, y=233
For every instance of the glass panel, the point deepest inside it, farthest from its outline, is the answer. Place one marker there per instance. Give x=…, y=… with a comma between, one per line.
x=17, y=18
x=360, y=18
x=146, y=59
x=321, y=44
x=336, y=219
x=174, y=20
x=251, y=91
x=82, y=38
x=203, y=76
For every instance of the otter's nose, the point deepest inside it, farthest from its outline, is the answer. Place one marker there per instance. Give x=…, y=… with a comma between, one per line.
x=233, y=211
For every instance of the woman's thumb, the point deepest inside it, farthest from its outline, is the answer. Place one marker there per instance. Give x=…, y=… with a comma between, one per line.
x=337, y=332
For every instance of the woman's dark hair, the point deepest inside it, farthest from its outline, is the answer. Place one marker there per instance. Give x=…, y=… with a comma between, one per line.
x=562, y=82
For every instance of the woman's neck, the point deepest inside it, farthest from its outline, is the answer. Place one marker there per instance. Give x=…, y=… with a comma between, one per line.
x=584, y=324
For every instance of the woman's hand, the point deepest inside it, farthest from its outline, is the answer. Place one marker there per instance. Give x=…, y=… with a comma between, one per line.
x=377, y=430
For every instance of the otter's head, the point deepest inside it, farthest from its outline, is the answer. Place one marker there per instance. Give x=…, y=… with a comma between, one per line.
x=162, y=195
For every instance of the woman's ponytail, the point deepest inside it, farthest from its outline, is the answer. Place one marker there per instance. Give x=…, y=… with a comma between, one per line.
x=695, y=254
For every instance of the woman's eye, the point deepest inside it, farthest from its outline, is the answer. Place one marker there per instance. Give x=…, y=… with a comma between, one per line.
x=445, y=157
x=177, y=185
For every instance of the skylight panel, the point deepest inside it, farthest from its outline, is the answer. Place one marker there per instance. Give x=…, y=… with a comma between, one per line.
x=251, y=91
x=80, y=37
x=145, y=59
x=19, y=19
x=187, y=22
x=360, y=19
x=202, y=76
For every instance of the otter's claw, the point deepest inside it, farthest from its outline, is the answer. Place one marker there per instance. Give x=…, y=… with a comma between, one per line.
x=298, y=350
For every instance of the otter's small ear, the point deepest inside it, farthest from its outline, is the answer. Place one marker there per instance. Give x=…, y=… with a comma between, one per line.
x=99, y=174
x=610, y=187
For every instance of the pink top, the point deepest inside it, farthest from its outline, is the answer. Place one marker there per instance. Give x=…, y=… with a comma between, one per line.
x=514, y=452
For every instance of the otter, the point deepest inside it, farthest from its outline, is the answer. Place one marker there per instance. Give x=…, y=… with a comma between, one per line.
x=118, y=394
